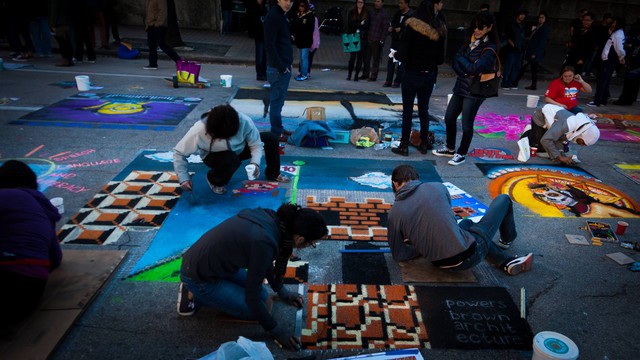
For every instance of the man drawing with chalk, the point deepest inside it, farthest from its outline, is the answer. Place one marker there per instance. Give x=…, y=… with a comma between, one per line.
x=421, y=223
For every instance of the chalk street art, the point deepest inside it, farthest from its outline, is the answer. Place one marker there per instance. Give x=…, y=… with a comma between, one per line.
x=558, y=191
x=492, y=125
x=57, y=170
x=344, y=110
x=631, y=171
x=617, y=127
x=491, y=154
x=114, y=111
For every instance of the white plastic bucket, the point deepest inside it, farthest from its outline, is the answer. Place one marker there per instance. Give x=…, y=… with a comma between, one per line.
x=83, y=83
x=549, y=345
x=58, y=202
x=226, y=80
x=532, y=101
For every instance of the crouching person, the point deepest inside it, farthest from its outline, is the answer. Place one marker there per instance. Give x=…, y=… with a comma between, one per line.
x=226, y=267
x=553, y=128
x=422, y=224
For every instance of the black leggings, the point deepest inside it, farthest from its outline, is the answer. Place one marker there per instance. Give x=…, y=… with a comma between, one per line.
x=224, y=164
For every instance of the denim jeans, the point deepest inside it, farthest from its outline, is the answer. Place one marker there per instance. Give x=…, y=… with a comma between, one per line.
x=226, y=295
x=469, y=108
x=420, y=84
x=224, y=164
x=511, y=66
x=227, y=16
x=304, y=61
x=279, y=86
x=41, y=35
x=499, y=217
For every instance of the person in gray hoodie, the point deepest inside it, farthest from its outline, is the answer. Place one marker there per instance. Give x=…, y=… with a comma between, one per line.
x=422, y=224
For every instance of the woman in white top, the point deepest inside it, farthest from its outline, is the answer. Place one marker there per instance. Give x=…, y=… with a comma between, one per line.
x=612, y=56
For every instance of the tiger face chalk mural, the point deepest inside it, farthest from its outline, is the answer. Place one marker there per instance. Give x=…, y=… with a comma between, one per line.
x=556, y=191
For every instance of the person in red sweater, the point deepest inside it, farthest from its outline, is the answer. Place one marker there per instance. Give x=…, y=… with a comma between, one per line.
x=564, y=90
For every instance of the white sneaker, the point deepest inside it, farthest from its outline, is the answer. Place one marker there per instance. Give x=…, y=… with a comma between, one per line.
x=443, y=151
x=457, y=160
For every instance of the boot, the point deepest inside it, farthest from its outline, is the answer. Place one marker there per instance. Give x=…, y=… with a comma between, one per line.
x=402, y=150
x=349, y=76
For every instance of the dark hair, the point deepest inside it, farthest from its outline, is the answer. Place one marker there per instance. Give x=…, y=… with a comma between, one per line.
x=543, y=13
x=589, y=14
x=16, y=174
x=484, y=6
x=305, y=3
x=620, y=21
x=222, y=122
x=425, y=11
x=486, y=19
x=568, y=68
x=404, y=173
x=302, y=221
x=363, y=15
x=521, y=12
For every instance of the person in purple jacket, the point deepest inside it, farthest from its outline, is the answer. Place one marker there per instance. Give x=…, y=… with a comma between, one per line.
x=29, y=248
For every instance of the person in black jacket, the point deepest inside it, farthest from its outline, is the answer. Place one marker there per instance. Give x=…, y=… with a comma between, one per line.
x=478, y=55
x=302, y=31
x=226, y=267
x=513, y=51
x=535, y=50
x=256, y=12
x=418, y=53
x=358, y=22
x=397, y=26
x=277, y=43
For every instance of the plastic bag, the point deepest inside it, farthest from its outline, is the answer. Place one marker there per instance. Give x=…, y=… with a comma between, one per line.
x=243, y=349
x=525, y=150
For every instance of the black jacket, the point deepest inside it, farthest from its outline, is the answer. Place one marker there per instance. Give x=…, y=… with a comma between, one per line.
x=468, y=63
x=302, y=29
x=277, y=40
x=398, y=20
x=353, y=25
x=255, y=21
x=419, y=46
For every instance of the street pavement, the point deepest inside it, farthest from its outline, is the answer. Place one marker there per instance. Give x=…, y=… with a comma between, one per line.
x=574, y=290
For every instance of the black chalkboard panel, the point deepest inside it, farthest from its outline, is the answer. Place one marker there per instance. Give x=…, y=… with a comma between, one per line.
x=472, y=318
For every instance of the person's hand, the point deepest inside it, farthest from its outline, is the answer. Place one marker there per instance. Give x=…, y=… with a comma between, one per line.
x=290, y=298
x=577, y=78
x=284, y=339
x=187, y=185
x=565, y=160
x=256, y=172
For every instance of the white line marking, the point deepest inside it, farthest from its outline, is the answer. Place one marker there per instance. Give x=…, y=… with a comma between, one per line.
x=95, y=73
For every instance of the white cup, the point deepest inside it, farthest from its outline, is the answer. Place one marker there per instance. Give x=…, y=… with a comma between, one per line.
x=83, y=83
x=58, y=202
x=251, y=169
x=226, y=80
x=532, y=101
x=449, y=96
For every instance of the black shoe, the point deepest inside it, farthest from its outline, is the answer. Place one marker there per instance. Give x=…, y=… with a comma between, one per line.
x=349, y=78
x=185, y=306
x=401, y=150
x=364, y=77
x=261, y=78
x=425, y=147
x=355, y=78
x=532, y=87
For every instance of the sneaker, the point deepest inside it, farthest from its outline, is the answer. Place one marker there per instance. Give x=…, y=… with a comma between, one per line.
x=444, y=151
x=593, y=104
x=503, y=244
x=149, y=67
x=20, y=57
x=185, y=306
x=457, y=160
x=216, y=189
x=517, y=265
x=300, y=78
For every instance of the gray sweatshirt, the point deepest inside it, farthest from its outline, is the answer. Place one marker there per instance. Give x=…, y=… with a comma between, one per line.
x=421, y=223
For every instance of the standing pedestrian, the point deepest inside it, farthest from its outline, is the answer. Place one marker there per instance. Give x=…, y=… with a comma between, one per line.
x=256, y=12
x=477, y=55
x=419, y=53
x=613, y=56
x=378, y=31
x=277, y=42
x=536, y=49
x=358, y=23
x=302, y=31
x=156, y=28
x=513, y=51
x=397, y=26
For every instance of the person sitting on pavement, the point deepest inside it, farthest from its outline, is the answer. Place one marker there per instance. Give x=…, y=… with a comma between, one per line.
x=422, y=224
x=226, y=267
x=562, y=127
x=223, y=138
x=564, y=90
x=29, y=248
